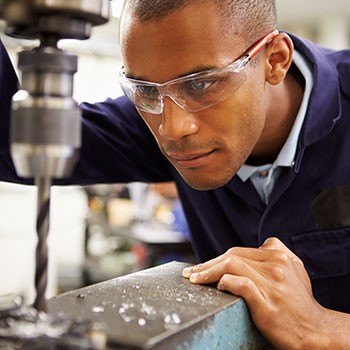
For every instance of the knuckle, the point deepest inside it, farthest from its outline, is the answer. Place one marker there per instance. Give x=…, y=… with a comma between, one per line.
x=231, y=251
x=229, y=263
x=204, y=275
x=272, y=242
x=197, y=268
x=278, y=273
x=240, y=286
x=280, y=257
x=246, y=284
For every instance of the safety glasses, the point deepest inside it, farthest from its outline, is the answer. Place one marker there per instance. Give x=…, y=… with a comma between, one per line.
x=193, y=92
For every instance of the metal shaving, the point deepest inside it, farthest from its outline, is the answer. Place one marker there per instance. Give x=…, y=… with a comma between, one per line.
x=25, y=328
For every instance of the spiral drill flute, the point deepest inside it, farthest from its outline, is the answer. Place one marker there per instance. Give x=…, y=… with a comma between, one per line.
x=41, y=256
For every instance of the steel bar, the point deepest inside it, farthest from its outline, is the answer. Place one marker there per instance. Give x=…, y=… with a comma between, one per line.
x=160, y=310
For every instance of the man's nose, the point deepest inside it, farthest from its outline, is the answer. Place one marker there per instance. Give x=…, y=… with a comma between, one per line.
x=176, y=122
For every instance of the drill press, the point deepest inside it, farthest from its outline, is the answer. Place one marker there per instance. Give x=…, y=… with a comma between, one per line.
x=45, y=121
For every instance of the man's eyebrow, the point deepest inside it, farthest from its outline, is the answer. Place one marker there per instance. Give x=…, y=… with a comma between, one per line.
x=198, y=69
x=194, y=70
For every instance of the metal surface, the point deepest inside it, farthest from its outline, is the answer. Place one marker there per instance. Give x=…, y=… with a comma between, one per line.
x=46, y=131
x=158, y=309
x=25, y=328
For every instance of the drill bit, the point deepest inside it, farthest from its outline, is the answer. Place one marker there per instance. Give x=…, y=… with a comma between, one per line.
x=42, y=227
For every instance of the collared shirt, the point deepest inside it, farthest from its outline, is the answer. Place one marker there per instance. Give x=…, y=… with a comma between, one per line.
x=265, y=176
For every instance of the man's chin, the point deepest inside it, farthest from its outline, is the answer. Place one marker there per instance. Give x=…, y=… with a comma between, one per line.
x=205, y=184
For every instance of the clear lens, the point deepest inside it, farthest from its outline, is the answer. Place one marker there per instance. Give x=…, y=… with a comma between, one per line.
x=193, y=94
x=206, y=90
x=150, y=104
x=145, y=96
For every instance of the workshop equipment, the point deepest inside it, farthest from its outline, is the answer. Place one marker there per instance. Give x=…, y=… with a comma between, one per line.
x=158, y=309
x=45, y=121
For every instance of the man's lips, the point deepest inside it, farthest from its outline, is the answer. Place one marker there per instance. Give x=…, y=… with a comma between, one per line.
x=190, y=160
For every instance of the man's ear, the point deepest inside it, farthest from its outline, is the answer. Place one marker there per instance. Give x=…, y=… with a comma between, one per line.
x=279, y=55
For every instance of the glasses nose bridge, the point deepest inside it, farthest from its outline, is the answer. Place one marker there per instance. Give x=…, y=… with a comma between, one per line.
x=166, y=89
x=169, y=90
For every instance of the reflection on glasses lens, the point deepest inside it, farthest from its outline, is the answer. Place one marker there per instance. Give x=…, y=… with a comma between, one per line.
x=147, y=91
x=193, y=94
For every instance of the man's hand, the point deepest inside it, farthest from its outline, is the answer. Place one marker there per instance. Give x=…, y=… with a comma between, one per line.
x=276, y=287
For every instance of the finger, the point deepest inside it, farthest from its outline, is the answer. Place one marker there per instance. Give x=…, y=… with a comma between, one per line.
x=188, y=271
x=261, y=255
x=233, y=265
x=242, y=287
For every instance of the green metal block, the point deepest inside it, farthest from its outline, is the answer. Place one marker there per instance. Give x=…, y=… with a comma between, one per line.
x=158, y=309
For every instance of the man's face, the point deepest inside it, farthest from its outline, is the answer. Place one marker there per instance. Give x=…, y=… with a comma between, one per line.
x=208, y=147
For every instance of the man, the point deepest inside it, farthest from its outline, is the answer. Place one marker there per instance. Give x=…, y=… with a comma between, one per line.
x=255, y=137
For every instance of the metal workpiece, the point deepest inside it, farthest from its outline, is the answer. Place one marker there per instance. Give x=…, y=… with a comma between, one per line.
x=159, y=309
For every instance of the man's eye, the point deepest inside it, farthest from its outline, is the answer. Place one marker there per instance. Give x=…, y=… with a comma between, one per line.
x=146, y=90
x=199, y=85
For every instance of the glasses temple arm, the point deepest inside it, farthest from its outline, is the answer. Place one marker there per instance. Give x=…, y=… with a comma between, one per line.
x=261, y=43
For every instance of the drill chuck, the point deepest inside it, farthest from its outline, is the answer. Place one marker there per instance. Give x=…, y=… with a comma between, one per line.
x=45, y=125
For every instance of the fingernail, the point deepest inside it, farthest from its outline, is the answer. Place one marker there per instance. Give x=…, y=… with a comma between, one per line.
x=194, y=277
x=186, y=272
x=221, y=286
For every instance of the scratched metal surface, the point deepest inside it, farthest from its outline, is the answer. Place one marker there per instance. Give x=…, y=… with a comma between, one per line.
x=158, y=309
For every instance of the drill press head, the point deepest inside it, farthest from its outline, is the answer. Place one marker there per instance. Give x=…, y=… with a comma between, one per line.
x=37, y=18
x=45, y=124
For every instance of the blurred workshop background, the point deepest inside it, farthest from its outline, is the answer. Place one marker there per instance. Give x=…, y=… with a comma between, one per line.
x=104, y=231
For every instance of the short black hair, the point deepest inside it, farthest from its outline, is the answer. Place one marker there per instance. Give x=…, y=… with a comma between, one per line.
x=249, y=19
